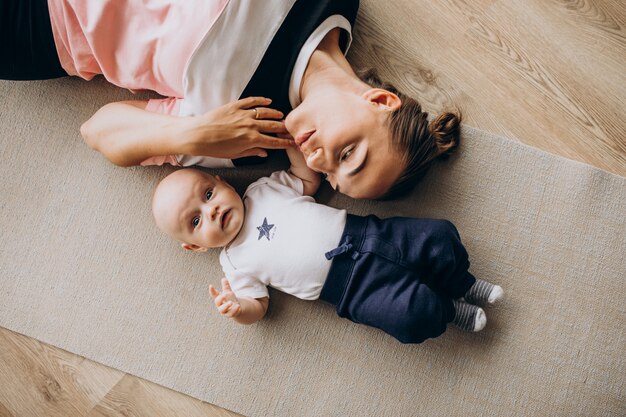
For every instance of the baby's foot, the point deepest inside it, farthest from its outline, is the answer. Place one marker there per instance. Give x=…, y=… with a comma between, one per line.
x=483, y=292
x=469, y=317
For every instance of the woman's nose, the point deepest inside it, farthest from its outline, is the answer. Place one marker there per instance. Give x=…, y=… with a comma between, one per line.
x=318, y=161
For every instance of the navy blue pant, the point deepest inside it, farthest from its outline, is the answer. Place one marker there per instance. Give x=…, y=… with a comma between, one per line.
x=399, y=275
x=27, y=50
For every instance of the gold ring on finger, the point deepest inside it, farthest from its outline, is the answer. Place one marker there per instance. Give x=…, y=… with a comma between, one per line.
x=256, y=113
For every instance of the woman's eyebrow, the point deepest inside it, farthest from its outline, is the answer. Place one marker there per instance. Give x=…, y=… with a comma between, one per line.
x=354, y=171
x=359, y=168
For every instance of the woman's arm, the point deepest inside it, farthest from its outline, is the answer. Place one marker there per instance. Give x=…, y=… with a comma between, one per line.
x=127, y=134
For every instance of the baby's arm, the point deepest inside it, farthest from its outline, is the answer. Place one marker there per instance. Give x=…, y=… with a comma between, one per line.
x=310, y=179
x=244, y=310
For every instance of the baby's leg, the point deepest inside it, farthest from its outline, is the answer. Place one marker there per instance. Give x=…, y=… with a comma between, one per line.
x=437, y=254
x=447, y=261
x=400, y=305
x=469, y=317
x=483, y=292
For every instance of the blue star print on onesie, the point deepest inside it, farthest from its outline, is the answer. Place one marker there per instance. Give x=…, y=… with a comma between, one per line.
x=264, y=229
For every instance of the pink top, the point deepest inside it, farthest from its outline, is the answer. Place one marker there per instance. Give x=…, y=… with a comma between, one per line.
x=131, y=42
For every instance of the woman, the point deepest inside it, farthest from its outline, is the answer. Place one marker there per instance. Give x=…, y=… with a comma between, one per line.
x=367, y=138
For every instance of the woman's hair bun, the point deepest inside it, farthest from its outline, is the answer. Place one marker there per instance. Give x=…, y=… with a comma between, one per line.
x=445, y=130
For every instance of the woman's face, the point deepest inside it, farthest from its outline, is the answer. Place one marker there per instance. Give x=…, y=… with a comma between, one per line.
x=345, y=136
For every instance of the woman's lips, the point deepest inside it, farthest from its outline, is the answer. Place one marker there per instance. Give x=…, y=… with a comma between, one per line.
x=301, y=139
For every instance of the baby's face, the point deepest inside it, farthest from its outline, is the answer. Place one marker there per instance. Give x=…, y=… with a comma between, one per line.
x=198, y=209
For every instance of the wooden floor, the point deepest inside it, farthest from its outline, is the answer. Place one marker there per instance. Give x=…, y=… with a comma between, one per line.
x=39, y=380
x=551, y=73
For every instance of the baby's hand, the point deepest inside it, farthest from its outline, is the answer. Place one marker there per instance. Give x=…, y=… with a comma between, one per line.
x=226, y=302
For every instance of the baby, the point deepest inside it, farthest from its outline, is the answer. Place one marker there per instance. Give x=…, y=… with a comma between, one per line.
x=408, y=277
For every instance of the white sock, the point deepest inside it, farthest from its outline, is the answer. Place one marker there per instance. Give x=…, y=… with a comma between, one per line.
x=483, y=292
x=496, y=294
x=469, y=317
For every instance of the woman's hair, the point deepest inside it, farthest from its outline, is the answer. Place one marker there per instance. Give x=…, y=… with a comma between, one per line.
x=420, y=142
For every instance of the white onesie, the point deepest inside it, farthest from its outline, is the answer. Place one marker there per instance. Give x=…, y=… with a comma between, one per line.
x=282, y=241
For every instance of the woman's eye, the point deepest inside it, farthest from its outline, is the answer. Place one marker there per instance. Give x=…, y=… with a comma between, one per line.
x=195, y=221
x=209, y=193
x=346, y=154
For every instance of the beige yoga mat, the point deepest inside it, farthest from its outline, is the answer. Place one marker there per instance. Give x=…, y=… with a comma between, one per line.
x=84, y=268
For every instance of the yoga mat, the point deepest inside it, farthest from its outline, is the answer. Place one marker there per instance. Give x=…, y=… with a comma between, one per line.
x=85, y=269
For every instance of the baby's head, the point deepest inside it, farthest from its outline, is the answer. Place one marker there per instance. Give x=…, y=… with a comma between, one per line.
x=197, y=209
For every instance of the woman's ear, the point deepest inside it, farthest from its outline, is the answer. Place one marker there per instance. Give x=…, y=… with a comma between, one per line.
x=383, y=98
x=192, y=247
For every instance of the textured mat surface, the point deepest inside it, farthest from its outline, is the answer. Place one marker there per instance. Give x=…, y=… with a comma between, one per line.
x=84, y=268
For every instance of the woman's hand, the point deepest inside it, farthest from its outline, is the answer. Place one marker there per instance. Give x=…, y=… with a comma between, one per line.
x=237, y=129
x=126, y=134
x=226, y=302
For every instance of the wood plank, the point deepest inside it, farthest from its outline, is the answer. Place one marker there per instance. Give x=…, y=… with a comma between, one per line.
x=37, y=379
x=134, y=396
x=512, y=68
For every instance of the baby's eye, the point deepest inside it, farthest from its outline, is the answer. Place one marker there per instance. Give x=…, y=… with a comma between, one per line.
x=209, y=193
x=195, y=221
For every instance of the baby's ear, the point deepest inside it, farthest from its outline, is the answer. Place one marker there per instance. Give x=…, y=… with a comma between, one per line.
x=194, y=248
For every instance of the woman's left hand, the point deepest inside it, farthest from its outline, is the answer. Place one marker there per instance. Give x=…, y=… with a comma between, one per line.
x=237, y=129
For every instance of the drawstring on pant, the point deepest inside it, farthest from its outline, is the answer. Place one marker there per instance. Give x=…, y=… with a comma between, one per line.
x=346, y=246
